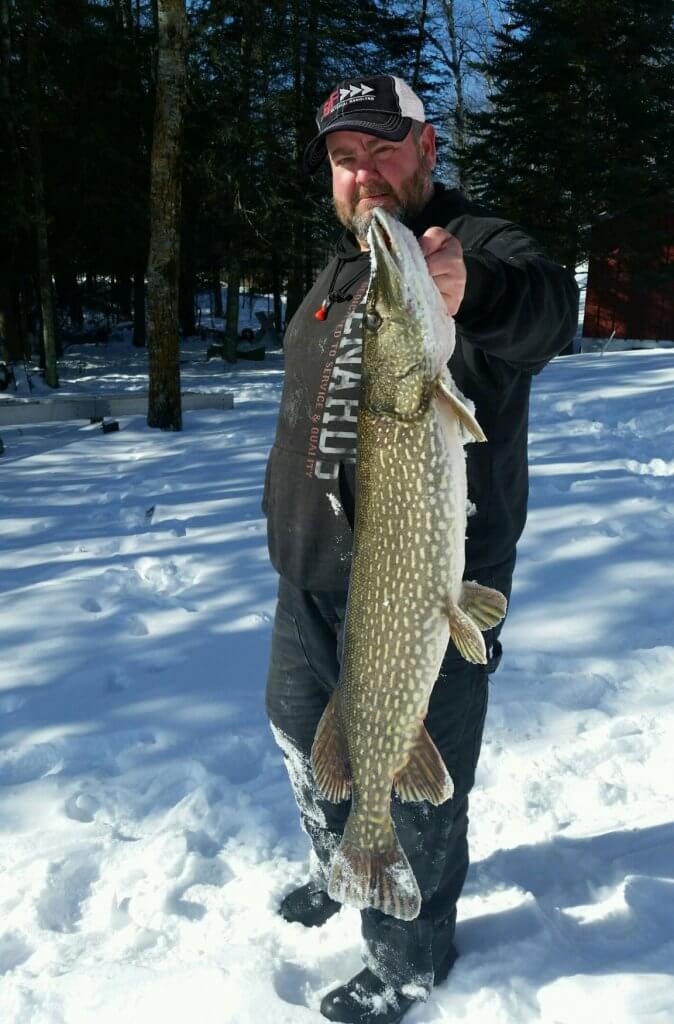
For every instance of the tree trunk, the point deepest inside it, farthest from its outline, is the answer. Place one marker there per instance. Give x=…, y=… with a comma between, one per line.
x=276, y=286
x=29, y=316
x=45, y=282
x=232, y=311
x=12, y=345
x=295, y=269
x=164, y=406
x=69, y=298
x=123, y=296
x=187, y=289
x=216, y=291
x=139, y=307
x=416, y=77
x=460, y=108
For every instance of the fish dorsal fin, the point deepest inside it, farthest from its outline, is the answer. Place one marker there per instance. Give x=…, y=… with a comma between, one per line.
x=329, y=755
x=462, y=412
x=425, y=775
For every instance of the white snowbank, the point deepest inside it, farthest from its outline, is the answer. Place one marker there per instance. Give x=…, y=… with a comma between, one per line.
x=147, y=829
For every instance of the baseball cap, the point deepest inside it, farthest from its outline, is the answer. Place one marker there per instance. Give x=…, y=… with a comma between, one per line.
x=382, y=105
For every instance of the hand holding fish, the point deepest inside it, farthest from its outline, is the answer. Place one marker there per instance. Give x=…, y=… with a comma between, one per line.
x=444, y=258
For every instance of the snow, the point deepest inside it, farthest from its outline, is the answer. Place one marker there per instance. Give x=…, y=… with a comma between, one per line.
x=147, y=827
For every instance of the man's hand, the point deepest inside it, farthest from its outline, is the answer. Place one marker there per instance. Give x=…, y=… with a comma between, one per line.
x=444, y=258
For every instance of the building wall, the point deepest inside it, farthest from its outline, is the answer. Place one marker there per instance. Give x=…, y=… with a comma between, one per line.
x=635, y=304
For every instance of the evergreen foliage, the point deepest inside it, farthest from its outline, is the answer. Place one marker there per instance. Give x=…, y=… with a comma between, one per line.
x=579, y=122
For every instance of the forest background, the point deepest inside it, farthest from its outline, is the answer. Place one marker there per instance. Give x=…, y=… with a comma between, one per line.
x=554, y=112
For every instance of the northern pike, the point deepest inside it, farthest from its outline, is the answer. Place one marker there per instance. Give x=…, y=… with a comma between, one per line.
x=406, y=590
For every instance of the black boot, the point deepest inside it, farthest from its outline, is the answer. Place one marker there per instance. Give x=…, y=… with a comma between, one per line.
x=443, y=968
x=365, y=1000
x=310, y=906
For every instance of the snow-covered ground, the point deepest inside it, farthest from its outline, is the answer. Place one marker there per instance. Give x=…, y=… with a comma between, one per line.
x=147, y=831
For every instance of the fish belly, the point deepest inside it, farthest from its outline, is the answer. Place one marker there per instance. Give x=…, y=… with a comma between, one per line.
x=408, y=562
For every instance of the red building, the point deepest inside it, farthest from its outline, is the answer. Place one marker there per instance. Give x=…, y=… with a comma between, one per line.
x=634, y=299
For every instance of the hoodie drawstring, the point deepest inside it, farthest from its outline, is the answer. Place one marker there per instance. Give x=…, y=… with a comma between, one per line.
x=341, y=294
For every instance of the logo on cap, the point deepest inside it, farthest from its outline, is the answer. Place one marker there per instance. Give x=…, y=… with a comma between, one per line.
x=343, y=94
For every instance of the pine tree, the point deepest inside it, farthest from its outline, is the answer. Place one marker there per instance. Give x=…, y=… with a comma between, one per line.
x=164, y=406
x=579, y=120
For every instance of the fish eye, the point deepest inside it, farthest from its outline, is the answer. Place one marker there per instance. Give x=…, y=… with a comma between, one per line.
x=372, y=320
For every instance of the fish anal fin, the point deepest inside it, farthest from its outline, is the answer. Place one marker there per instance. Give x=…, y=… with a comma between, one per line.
x=329, y=755
x=458, y=409
x=382, y=879
x=485, y=606
x=424, y=776
x=466, y=635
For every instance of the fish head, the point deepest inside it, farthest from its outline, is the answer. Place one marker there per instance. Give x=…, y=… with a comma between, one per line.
x=408, y=336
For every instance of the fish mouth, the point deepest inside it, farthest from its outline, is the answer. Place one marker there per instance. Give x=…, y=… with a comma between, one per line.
x=387, y=263
x=380, y=232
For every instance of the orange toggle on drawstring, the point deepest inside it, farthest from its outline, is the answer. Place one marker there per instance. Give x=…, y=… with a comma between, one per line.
x=322, y=313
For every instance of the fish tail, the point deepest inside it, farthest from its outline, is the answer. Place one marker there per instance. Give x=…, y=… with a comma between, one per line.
x=382, y=879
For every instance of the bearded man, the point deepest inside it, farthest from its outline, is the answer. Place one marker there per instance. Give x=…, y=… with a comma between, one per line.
x=514, y=310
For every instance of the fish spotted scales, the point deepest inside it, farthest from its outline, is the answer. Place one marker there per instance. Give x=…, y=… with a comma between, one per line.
x=406, y=590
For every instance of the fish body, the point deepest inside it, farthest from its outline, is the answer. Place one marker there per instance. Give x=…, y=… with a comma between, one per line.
x=406, y=590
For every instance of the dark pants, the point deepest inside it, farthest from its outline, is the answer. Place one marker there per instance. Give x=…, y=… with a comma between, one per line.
x=303, y=672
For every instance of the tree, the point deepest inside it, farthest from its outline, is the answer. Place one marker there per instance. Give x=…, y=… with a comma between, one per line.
x=40, y=209
x=257, y=72
x=164, y=406
x=579, y=120
x=14, y=219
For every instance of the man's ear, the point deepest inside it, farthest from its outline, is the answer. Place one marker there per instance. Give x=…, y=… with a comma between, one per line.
x=427, y=142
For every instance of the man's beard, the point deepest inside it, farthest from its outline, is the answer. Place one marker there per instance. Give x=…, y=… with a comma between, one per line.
x=409, y=201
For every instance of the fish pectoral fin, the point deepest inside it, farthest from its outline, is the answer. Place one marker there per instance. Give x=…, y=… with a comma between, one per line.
x=484, y=605
x=425, y=775
x=462, y=412
x=466, y=635
x=382, y=879
x=329, y=755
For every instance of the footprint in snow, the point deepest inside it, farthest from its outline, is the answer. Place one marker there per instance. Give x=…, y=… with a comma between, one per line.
x=184, y=908
x=18, y=767
x=299, y=985
x=81, y=807
x=166, y=577
x=135, y=626
x=11, y=702
x=199, y=870
x=90, y=604
x=200, y=842
x=66, y=888
x=240, y=759
x=116, y=681
x=14, y=951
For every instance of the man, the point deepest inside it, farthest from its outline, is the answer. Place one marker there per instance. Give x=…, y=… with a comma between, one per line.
x=514, y=310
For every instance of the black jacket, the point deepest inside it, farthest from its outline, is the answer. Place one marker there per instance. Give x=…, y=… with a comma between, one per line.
x=519, y=310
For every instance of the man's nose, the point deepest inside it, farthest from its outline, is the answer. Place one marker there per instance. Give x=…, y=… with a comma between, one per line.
x=365, y=171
